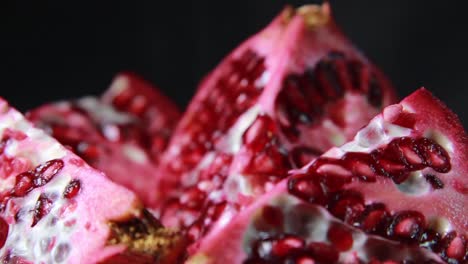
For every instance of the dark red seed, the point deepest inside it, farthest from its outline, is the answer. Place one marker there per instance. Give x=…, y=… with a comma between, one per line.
x=434, y=155
x=406, y=226
x=24, y=184
x=340, y=237
x=42, y=208
x=346, y=205
x=4, y=227
x=374, y=218
x=45, y=172
x=455, y=246
x=323, y=253
x=287, y=245
x=72, y=189
x=305, y=188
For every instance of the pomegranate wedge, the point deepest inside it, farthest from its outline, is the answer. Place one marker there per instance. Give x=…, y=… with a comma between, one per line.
x=54, y=208
x=400, y=183
x=277, y=101
x=123, y=133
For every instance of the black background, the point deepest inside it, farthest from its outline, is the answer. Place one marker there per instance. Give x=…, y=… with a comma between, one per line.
x=52, y=50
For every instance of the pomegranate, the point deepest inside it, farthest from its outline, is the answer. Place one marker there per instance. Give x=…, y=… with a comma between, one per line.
x=398, y=185
x=123, y=133
x=280, y=99
x=54, y=208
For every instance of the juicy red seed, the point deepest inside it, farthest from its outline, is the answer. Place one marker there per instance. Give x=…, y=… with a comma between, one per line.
x=455, y=246
x=435, y=156
x=323, y=253
x=406, y=226
x=340, y=237
x=287, y=245
x=4, y=227
x=259, y=133
x=346, y=205
x=72, y=189
x=304, y=187
x=374, y=218
x=122, y=99
x=42, y=208
x=435, y=182
x=45, y=172
x=24, y=184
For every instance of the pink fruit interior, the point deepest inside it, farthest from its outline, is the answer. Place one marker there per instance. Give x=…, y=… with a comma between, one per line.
x=56, y=208
x=122, y=134
x=401, y=179
x=278, y=100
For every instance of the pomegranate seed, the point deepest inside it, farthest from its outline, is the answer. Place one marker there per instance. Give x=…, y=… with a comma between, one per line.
x=406, y=226
x=341, y=238
x=24, y=184
x=323, y=253
x=304, y=188
x=455, y=246
x=72, y=189
x=374, y=218
x=287, y=245
x=45, y=172
x=42, y=208
x=346, y=205
x=4, y=227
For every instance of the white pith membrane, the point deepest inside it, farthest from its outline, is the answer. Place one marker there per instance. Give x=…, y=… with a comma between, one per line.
x=75, y=230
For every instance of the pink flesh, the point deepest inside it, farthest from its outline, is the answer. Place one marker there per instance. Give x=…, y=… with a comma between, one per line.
x=82, y=221
x=212, y=127
x=122, y=134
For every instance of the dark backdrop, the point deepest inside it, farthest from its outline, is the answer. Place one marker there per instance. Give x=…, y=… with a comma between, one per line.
x=59, y=49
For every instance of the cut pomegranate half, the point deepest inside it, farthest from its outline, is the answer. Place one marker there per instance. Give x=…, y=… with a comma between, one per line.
x=54, y=208
x=277, y=101
x=401, y=183
x=122, y=134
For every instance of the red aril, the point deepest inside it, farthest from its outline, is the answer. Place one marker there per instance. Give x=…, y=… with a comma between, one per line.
x=123, y=133
x=280, y=99
x=54, y=208
x=396, y=192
